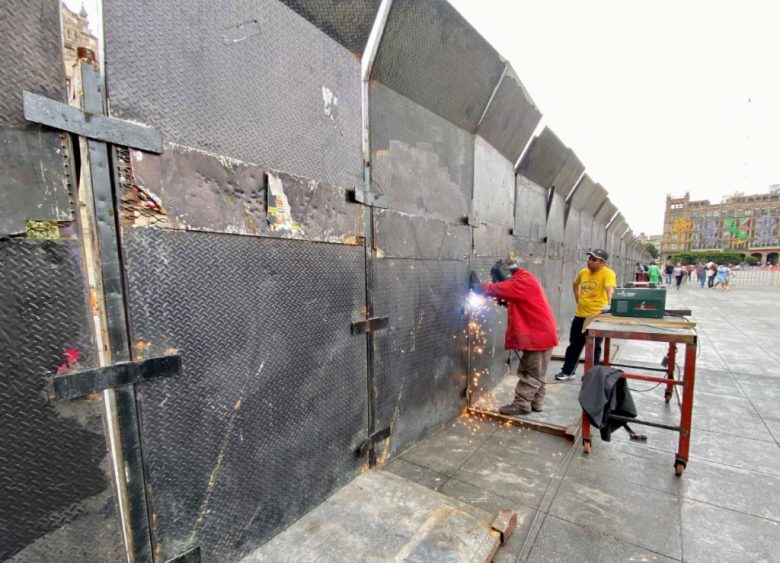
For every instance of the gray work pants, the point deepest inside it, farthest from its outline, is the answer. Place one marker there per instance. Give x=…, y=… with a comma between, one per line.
x=529, y=391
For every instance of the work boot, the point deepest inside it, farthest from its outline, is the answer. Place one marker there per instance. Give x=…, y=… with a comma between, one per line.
x=537, y=408
x=564, y=376
x=513, y=410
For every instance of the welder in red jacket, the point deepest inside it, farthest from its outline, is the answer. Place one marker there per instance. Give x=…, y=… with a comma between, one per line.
x=531, y=328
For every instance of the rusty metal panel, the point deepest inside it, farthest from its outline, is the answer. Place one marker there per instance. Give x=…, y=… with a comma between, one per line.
x=494, y=185
x=347, y=21
x=544, y=159
x=397, y=235
x=33, y=182
x=423, y=163
x=192, y=190
x=530, y=210
x=492, y=240
x=281, y=93
x=511, y=117
x=431, y=54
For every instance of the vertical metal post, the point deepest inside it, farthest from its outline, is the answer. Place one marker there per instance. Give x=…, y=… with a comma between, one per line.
x=686, y=415
x=670, y=371
x=589, y=352
x=118, y=346
x=366, y=65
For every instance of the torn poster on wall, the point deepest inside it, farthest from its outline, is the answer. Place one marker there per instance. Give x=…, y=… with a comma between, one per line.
x=279, y=215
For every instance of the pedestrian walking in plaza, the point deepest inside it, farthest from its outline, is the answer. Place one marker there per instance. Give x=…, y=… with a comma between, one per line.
x=654, y=274
x=668, y=271
x=712, y=267
x=593, y=288
x=701, y=274
x=677, y=271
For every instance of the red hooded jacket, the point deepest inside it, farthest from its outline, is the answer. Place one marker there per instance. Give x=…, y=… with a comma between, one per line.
x=530, y=320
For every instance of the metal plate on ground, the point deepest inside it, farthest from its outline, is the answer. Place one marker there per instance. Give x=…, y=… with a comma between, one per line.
x=281, y=93
x=58, y=501
x=420, y=374
x=431, y=54
x=263, y=422
x=423, y=163
x=383, y=517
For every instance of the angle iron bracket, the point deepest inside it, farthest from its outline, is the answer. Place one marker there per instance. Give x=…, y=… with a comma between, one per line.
x=55, y=114
x=377, y=436
x=370, y=199
x=369, y=325
x=82, y=383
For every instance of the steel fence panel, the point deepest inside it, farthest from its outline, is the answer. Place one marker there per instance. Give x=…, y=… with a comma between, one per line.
x=397, y=235
x=274, y=82
x=494, y=185
x=347, y=21
x=530, y=210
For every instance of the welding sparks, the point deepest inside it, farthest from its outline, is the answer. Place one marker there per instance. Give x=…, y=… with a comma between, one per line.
x=475, y=301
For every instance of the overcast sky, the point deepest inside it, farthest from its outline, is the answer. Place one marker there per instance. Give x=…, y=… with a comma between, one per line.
x=654, y=97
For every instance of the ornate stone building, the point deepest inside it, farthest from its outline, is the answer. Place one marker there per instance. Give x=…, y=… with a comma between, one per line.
x=747, y=224
x=75, y=34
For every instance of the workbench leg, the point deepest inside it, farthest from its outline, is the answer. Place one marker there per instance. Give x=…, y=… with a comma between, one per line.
x=589, y=350
x=686, y=414
x=605, y=352
x=672, y=357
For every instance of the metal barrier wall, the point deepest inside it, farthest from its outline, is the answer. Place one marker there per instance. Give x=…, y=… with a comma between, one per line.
x=243, y=249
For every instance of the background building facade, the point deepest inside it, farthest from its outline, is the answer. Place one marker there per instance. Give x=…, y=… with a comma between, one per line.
x=748, y=224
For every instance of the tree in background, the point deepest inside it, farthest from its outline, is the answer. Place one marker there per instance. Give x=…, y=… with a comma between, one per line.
x=651, y=249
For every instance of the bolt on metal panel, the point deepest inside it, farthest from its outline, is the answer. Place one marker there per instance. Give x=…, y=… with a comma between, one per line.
x=347, y=21
x=511, y=117
x=398, y=235
x=431, y=54
x=494, y=185
x=192, y=190
x=281, y=93
x=421, y=371
x=423, y=163
x=530, y=210
x=238, y=447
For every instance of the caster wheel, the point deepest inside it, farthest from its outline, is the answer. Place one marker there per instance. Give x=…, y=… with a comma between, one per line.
x=586, y=447
x=679, y=467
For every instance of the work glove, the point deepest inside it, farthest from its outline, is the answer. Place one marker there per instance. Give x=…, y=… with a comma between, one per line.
x=474, y=283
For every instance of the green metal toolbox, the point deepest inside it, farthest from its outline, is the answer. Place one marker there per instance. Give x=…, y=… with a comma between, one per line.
x=639, y=302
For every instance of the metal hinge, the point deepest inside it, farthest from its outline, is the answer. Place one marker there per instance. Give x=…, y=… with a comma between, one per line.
x=82, y=383
x=370, y=199
x=369, y=325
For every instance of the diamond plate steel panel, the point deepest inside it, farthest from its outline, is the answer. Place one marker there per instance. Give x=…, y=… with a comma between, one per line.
x=424, y=164
x=397, y=235
x=605, y=213
x=511, y=117
x=494, y=185
x=572, y=244
x=552, y=281
x=58, y=503
x=281, y=93
x=544, y=159
x=490, y=240
x=530, y=255
x=420, y=375
x=193, y=190
x=347, y=21
x=488, y=363
x=32, y=60
x=555, y=224
x=431, y=54
x=567, y=176
x=531, y=210
x=598, y=235
x=33, y=185
x=262, y=424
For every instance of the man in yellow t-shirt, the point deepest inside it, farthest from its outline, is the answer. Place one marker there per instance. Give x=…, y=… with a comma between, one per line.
x=593, y=288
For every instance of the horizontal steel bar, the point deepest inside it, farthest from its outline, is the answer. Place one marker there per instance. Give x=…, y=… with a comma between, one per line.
x=82, y=383
x=651, y=378
x=564, y=431
x=643, y=422
x=43, y=110
x=637, y=367
x=369, y=325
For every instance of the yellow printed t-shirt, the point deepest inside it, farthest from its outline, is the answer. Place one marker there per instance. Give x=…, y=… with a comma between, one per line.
x=593, y=290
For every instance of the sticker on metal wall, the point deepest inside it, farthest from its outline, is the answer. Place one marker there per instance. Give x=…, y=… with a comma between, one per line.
x=279, y=214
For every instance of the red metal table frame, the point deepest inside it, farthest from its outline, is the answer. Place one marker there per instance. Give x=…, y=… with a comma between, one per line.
x=650, y=330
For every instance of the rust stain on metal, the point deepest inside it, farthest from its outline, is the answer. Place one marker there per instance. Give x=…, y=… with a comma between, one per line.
x=140, y=207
